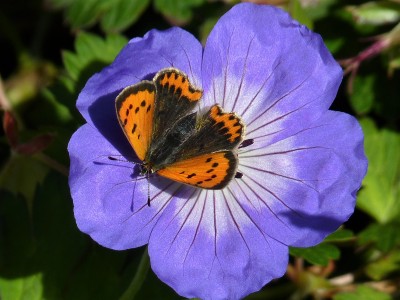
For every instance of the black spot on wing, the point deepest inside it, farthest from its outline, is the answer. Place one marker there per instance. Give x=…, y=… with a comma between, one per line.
x=134, y=128
x=232, y=165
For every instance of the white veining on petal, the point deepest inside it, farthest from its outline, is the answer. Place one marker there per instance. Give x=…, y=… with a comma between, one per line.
x=273, y=150
x=228, y=89
x=215, y=240
x=265, y=235
x=192, y=76
x=239, y=89
x=237, y=217
x=250, y=94
x=282, y=175
x=187, y=213
x=267, y=100
x=226, y=67
x=263, y=200
x=270, y=108
x=213, y=208
x=264, y=185
x=162, y=198
x=203, y=207
x=218, y=212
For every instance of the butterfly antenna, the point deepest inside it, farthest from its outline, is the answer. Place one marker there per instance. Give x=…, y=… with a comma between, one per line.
x=116, y=158
x=148, y=189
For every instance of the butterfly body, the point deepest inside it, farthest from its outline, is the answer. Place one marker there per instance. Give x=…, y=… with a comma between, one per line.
x=195, y=149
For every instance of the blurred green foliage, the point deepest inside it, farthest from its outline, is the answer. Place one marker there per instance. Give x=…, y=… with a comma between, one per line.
x=49, y=50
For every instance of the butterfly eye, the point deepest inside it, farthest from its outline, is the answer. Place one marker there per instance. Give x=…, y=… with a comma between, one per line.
x=143, y=170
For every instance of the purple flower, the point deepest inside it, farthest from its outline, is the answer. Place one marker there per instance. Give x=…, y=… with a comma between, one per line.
x=300, y=177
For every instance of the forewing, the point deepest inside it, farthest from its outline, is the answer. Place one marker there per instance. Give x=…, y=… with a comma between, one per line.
x=207, y=171
x=135, y=112
x=176, y=97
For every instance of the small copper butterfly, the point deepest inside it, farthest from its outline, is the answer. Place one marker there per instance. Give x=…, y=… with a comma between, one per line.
x=172, y=141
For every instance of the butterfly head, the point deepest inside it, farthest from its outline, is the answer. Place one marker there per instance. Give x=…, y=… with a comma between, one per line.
x=146, y=169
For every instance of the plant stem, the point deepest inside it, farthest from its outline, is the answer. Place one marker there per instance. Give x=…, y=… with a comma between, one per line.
x=138, y=279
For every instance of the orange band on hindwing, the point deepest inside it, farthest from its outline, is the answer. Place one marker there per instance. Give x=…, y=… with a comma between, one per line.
x=207, y=171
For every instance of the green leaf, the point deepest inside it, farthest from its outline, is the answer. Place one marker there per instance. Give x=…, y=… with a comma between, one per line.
x=61, y=3
x=45, y=256
x=322, y=253
x=362, y=292
x=317, y=255
x=21, y=175
x=113, y=15
x=178, y=11
x=71, y=63
x=206, y=28
x=394, y=60
x=18, y=278
x=299, y=13
x=83, y=13
x=92, y=52
x=385, y=265
x=363, y=96
x=380, y=195
x=22, y=288
x=394, y=64
x=64, y=255
x=318, y=9
x=375, y=12
x=64, y=93
x=335, y=44
x=384, y=236
x=122, y=13
x=47, y=111
x=340, y=235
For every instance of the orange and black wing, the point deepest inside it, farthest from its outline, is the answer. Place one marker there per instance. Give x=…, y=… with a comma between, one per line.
x=208, y=171
x=135, y=112
x=175, y=98
x=207, y=158
x=215, y=131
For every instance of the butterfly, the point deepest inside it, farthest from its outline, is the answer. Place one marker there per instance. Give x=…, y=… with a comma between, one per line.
x=197, y=149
